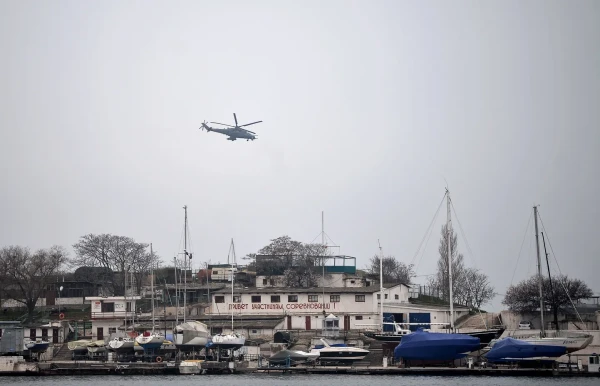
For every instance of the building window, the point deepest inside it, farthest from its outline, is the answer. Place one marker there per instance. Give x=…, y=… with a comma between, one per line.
x=215, y=272
x=397, y=297
x=254, y=331
x=112, y=330
x=313, y=298
x=334, y=298
x=108, y=307
x=255, y=298
x=352, y=281
x=292, y=298
x=359, y=298
x=237, y=299
x=275, y=299
x=265, y=281
x=378, y=296
x=358, y=317
x=128, y=307
x=272, y=281
x=219, y=299
x=32, y=332
x=386, y=296
x=44, y=333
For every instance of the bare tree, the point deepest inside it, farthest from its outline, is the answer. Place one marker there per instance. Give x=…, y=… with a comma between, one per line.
x=525, y=296
x=296, y=261
x=394, y=271
x=27, y=274
x=479, y=289
x=121, y=254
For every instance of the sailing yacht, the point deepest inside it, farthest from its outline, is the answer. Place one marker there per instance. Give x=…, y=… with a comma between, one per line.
x=232, y=340
x=572, y=341
x=189, y=335
x=151, y=340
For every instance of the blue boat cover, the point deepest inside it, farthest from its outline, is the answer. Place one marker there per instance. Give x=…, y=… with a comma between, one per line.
x=423, y=345
x=509, y=349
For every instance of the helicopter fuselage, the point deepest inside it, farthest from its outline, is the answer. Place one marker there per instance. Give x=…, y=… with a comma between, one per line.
x=232, y=133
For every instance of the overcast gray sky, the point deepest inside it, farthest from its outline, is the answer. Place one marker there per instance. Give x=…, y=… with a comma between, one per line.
x=368, y=107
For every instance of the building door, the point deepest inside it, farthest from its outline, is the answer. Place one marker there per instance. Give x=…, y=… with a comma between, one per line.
x=32, y=332
x=100, y=334
x=45, y=334
x=50, y=298
x=289, y=322
x=419, y=317
x=346, y=322
x=55, y=335
x=308, y=322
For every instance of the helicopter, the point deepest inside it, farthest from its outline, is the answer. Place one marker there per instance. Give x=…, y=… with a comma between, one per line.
x=233, y=132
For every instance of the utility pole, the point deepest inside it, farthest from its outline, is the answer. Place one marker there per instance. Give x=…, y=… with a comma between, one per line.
x=380, y=284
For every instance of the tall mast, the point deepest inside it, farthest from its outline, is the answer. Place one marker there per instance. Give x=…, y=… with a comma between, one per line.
x=152, y=282
x=380, y=284
x=125, y=295
x=539, y=267
x=449, y=246
x=176, y=293
x=554, y=309
x=185, y=263
x=233, y=268
x=323, y=255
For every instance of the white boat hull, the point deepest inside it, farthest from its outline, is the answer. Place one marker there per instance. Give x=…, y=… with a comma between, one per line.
x=123, y=345
x=229, y=341
x=150, y=342
x=572, y=341
x=189, y=367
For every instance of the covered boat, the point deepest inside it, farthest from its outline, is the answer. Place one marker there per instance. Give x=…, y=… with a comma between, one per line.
x=191, y=336
x=423, y=345
x=511, y=350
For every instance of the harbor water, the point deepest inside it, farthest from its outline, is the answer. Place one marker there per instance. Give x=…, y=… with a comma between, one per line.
x=294, y=379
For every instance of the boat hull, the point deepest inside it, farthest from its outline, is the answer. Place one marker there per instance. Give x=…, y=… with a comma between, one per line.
x=422, y=345
x=228, y=341
x=37, y=347
x=121, y=346
x=150, y=342
x=572, y=343
x=513, y=350
x=341, y=354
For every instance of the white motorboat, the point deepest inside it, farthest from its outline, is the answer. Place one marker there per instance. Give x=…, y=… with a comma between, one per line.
x=339, y=354
x=191, y=366
x=191, y=336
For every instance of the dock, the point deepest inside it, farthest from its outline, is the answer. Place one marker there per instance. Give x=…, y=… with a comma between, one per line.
x=57, y=368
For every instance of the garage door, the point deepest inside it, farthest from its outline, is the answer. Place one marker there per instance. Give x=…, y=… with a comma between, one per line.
x=419, y=318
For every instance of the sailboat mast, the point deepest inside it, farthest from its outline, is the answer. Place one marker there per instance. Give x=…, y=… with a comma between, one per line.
x=185, y=260
x=323, y=255
x=152, y=282
x=449, y=246
x=539, y=267
x=233, y=268
x=380, y=284
x=176, y=293
x=554, y=309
